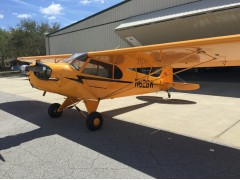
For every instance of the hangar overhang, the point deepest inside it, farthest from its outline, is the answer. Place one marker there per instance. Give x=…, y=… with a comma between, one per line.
x=200, y=19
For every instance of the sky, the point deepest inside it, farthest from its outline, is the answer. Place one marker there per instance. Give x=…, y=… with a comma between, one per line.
x=64, y=12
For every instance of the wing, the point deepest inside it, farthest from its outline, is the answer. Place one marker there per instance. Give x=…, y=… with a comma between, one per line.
x=45, y=59
x=210, y=52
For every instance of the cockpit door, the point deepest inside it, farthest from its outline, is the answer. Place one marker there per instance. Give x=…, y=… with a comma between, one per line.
x=97, y=74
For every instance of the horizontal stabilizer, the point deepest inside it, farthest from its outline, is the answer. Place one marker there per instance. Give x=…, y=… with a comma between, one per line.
x=185, y=86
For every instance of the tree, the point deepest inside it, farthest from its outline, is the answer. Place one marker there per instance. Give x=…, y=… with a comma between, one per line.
x=28, y=38
x=4, y=41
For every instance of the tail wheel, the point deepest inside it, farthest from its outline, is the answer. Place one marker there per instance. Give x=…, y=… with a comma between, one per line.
x=52, y=110
x=94, y=121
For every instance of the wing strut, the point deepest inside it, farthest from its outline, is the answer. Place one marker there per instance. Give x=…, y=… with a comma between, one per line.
x=123, y=89
x=213, y=58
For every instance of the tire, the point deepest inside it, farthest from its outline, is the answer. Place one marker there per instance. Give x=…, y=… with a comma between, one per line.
x=94, y=121
x=52, y=110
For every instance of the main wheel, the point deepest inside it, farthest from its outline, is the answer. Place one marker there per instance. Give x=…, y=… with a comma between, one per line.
x=94, y=121
x=52, y=110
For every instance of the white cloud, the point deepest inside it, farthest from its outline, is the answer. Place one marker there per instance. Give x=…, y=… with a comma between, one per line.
x=1, y=16
x=52, y=17
x=53, y=9
x=100, y=1
x=91, y=1
x=24, y=16
x=85, y=2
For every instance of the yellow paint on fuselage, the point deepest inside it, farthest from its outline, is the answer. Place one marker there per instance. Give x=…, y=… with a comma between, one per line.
x=69, y=85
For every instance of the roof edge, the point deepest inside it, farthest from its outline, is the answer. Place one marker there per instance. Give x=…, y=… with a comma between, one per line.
x=182, y=14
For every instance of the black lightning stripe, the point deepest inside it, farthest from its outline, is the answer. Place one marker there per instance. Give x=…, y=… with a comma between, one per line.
x=81, y=78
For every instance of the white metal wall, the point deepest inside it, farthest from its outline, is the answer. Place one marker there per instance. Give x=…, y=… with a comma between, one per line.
x=98, y=38
x=97, y=32
x=126, y=10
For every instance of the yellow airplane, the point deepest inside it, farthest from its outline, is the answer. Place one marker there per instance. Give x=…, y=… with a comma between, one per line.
x=95, y=76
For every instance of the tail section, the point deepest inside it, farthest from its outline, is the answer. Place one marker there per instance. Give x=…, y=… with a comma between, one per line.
x=185, y=86
x=166, y=78
x=167, y=75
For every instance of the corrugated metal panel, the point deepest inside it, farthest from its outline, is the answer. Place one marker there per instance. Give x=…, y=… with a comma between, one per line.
x=122, y=12
x=99, y=38
x=178, y=12
x=213, y=24
x=97, y=33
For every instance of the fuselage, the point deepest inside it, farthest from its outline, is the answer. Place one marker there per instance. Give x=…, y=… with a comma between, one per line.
x=92, y=79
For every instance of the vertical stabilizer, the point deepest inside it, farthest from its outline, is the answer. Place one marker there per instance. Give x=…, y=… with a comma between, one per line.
x=167, y=75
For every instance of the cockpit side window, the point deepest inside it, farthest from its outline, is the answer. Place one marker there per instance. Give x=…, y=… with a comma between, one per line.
x=78, y=63
x=117, y=73
x=98, y=68
x=77, y=60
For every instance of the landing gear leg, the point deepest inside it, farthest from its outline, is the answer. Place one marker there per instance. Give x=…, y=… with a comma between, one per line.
x=55, y=110
x=94, y=119
x=169, y=95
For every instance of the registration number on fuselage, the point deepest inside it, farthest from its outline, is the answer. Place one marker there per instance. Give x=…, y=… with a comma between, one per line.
x=144, y=84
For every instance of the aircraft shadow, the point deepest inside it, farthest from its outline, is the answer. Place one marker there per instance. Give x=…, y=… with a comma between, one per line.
x=160, y=100
x=160, y=155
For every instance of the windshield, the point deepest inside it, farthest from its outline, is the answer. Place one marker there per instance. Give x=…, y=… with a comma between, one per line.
x=77, y=60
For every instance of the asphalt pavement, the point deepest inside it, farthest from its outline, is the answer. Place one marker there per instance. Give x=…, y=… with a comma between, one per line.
x=148, y=136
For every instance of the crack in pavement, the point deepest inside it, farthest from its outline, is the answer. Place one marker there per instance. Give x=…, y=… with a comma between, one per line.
x=230, y=127
x=1, y=158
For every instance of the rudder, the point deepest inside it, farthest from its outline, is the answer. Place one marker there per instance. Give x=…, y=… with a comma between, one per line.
x=166, y=75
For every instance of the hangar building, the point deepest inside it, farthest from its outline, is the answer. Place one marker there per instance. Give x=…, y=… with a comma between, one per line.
x=144, y=22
